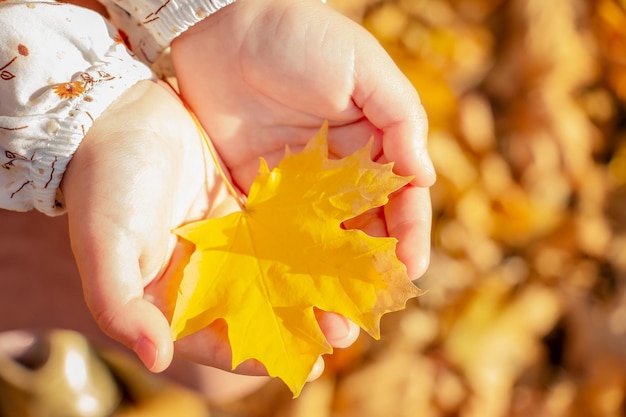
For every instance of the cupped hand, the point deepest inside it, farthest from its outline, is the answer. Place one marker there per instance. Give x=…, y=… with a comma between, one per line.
x=140, y=172
x=263, y=75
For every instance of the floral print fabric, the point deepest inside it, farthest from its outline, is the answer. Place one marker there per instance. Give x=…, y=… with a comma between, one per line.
x=61, y=66
x=151, y=25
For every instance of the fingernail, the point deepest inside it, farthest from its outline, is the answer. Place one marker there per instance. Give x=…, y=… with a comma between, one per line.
x=147, y=352
x=343, y=336
x=427, y=163
x=317, y=370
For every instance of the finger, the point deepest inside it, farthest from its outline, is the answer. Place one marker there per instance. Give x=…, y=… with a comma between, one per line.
x=339, y=331
x=163, y=291
x=409, y=216
x=372, y=222
x=210, y=346
x=390, y=102
x=318, y=369
x=112, y=284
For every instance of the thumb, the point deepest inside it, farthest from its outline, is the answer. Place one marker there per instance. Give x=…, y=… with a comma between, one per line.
x=111, y=276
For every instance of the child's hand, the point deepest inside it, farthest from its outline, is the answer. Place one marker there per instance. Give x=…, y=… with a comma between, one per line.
x=260, y=75
x=138, y=173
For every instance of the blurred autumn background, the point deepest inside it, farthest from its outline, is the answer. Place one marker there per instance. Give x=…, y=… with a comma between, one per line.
x=525, y=313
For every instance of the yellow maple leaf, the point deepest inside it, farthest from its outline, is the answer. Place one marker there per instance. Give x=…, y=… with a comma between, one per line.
x=265, y=268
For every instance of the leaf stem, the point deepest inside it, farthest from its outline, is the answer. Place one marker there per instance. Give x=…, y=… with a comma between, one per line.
x=217, y=160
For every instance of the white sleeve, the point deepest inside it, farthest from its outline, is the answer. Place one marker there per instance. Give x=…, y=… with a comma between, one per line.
x=61, y=66
x=152, y=25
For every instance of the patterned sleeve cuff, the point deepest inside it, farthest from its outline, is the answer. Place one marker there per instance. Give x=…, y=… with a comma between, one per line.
x=54, y=82
x=152, y=25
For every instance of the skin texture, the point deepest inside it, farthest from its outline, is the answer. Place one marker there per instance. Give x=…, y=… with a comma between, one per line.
x=259, y=76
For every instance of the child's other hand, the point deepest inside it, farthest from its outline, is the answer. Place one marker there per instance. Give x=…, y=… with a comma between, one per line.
x=139, y=173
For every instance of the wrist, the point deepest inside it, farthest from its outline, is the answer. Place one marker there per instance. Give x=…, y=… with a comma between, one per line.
x=223, y=15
